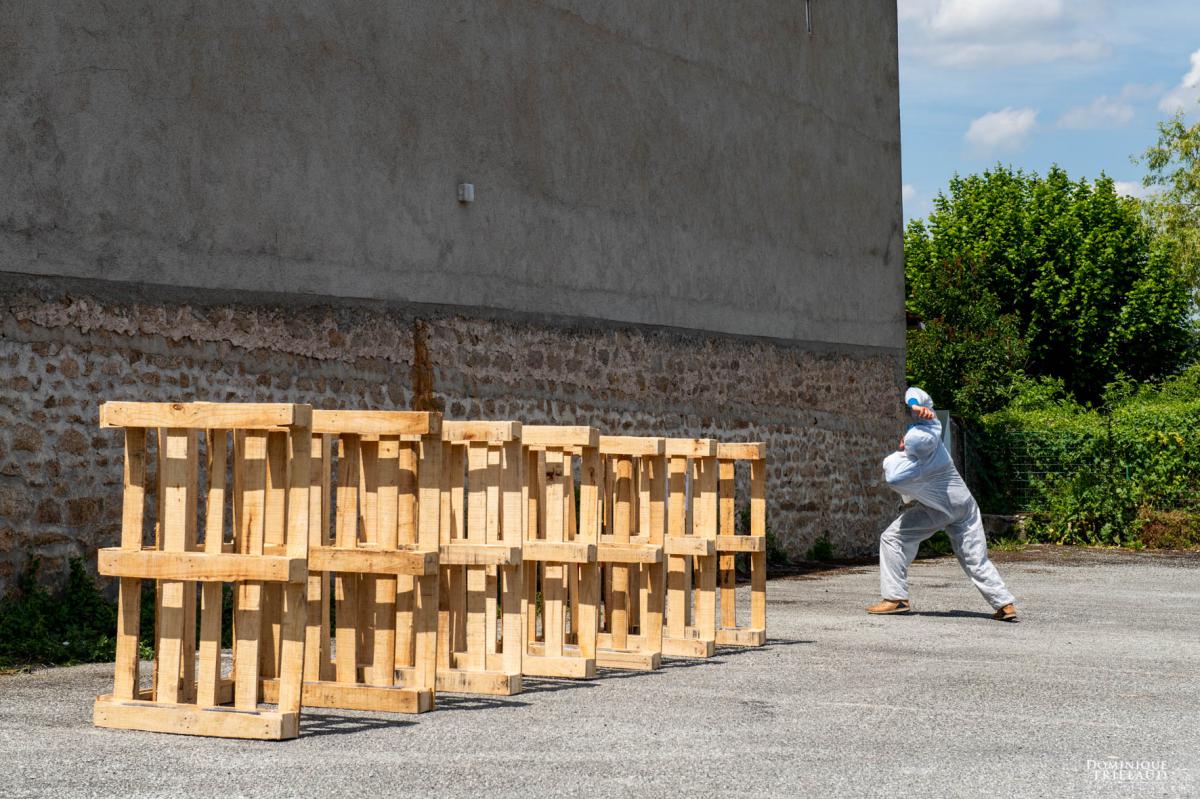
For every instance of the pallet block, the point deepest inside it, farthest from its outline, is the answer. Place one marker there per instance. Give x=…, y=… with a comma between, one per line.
x=753, y=542
x=480, y=559
x=560, y=552
x=270, y=502
x=631, y=552
x=690, y=547
x=378, y=570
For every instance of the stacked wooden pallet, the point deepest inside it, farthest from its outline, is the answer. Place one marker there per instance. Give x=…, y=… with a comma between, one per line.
x=376, y=558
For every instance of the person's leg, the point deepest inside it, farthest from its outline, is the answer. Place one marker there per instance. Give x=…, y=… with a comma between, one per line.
x=970, y=547
x=898, y=546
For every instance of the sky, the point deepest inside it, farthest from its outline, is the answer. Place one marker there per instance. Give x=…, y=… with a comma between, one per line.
x=1032, y=83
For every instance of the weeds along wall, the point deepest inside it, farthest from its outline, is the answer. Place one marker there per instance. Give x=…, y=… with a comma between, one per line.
x=65, y=346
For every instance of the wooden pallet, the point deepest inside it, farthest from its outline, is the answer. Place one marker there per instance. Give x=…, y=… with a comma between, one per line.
x=480, y=640
x=631, y=552
x=379, y=569
x=690, y=547
x=559, y=552
x=753, y=543
x=267, y=552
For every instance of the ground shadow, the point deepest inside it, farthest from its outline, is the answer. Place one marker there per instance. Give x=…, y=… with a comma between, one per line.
x=313, y=725
x=952, y=614
x=446, y=701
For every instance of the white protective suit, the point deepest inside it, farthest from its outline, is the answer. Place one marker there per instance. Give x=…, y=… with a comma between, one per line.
x=923, y=471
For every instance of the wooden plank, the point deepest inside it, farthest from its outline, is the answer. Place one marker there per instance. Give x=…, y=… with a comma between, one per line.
x=425, y=590
x=543, y=436
x=742, y=452
x=512, y=531
x=633, y=446
x=274, y=537
x=567, y=666
x=376, y=423
x=177, y=491
x=372, y=698
x=480, y=432
x=477, y=626
x=465, y=554
x=655, y=587
x=687, y=647
x=346, y=537
x=373, y=561
x=705, y=527
x=317, y=650
x=629, y=553
x=676, y=564
x=247, y=617
x=204, y=415
x=129, y=592
x=727, y=565
x=628, y=660
x=295, y=611
x=741, y=636
x=758, y=560
x=383, y=661
x=739, y=543
x=554, y=584
x=618, y=611
x=587, y=621
x=406, y=537
x=560, y=551
x=368, y=535
x=208, y=678
x=190, y=720
x=199, y=566
x=691, y=447
x=689, y=546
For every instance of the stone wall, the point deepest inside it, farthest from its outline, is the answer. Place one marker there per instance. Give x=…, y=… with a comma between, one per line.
x=827, y=414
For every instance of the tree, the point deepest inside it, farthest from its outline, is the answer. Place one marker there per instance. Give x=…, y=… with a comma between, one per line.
x=1173, y=165
x=1064, y=276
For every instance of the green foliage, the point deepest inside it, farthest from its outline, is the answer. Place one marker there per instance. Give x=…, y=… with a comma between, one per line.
x=822, y=549
x=969, y=351
x=1173, y=170
x=1016, y=274
x=1099, y=475
x=76, y=625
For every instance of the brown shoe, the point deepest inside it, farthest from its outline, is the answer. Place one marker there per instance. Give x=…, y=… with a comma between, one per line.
x=1006, y=613
x=887, y=607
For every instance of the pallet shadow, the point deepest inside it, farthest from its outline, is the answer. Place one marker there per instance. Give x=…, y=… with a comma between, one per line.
x=549, y=685
x=312, y=725
x=477, y=702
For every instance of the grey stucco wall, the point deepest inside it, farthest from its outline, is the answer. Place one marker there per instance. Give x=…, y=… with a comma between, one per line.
x=702, y=165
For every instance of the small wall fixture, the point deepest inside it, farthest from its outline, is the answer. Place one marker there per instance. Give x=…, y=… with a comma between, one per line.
x=466, y=193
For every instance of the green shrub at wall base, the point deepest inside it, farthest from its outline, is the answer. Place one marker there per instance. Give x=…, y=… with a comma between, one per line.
x=1091, y=476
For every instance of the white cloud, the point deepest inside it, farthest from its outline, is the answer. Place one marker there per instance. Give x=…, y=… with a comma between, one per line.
x=999, y=33
x=1100, y=113
x=908, y=192
x=975, y=17
x=1186, y=95
x=1006, y=129
x=1131, y=188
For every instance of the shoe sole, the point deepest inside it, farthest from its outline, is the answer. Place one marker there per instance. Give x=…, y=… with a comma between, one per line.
x=895, y=612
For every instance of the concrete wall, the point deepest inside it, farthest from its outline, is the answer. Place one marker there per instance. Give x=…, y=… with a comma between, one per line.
x=702, y=165
x=688, y=223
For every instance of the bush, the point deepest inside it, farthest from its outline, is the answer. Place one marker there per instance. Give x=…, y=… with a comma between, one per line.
x=78, y=625
x=1092, y=476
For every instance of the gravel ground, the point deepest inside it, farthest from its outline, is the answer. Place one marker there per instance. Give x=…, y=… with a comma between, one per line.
x=1102, y=667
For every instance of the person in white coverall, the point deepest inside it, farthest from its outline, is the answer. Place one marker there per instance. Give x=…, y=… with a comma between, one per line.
x=922, y=470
